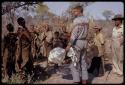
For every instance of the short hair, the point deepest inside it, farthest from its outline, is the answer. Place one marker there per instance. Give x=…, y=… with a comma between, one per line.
x=10, y=27
x=56, y=33
x=79, y=7
x=20, y=20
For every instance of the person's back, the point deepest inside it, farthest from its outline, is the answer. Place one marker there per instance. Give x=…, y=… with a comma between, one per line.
x=80, y=32
x=79, y=43
x=25, y=59
x=9, y=51
x=10, y=41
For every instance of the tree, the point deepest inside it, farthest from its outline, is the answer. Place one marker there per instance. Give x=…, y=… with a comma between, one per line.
x=41, y=8
x=72, y=4
x=84, y=4
x=8, y=6
x=107, y=14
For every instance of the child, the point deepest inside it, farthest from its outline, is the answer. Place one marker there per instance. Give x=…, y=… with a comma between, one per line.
x=98, y=61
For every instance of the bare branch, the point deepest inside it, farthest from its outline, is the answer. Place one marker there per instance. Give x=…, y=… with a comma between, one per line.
x=8, y=8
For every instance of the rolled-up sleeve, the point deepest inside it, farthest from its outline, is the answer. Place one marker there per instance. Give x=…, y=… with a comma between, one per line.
x=80, y=22
x=74, y=36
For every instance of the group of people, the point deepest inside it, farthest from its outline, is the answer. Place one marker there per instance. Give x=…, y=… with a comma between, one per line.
x=22, y=47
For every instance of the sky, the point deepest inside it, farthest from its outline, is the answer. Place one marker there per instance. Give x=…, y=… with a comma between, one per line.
x=97, y=8
x=94, y=9
x=57, y=7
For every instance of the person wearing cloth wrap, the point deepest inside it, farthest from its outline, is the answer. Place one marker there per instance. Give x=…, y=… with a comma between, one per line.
x=24, y=57
x=79, y=43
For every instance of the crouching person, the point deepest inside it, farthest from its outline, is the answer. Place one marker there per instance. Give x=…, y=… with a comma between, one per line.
x=57, y=42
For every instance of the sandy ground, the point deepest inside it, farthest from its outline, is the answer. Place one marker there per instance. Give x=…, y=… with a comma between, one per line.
x=65, y=77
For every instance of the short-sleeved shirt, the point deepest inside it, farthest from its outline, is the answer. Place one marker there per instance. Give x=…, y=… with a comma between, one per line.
x=117, y=33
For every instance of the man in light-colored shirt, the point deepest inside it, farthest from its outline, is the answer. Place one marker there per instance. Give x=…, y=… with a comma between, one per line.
x=79, y=43
x=117, y=45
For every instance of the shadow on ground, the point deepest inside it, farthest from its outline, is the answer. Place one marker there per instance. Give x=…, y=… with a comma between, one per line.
x=108, y=67
x=40, y=74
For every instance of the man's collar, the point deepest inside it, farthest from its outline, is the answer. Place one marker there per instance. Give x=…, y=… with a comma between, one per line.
x=121, y=26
